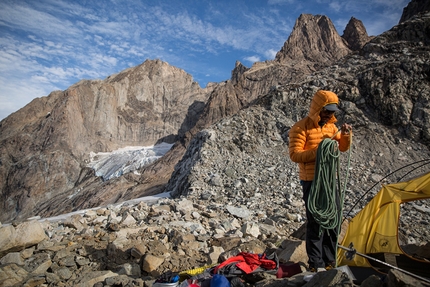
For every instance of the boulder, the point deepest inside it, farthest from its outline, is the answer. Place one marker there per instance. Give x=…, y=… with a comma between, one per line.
x=22, y=236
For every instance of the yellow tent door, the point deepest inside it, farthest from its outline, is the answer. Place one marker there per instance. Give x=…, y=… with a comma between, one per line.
x=375, y=228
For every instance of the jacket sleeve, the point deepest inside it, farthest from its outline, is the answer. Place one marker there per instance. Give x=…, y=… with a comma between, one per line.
x=297, y=151
x=344, y=141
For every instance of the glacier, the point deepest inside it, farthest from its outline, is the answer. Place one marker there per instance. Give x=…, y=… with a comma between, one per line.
x=113, y=164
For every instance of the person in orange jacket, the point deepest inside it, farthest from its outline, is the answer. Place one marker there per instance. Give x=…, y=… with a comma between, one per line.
x=305, y=136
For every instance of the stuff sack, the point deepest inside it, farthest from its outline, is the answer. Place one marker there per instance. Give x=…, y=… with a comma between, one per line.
x=219, y=281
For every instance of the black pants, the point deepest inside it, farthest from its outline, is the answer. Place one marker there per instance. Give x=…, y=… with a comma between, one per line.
x=321, y=249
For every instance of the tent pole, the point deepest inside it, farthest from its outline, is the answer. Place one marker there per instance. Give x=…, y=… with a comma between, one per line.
x=351, y=253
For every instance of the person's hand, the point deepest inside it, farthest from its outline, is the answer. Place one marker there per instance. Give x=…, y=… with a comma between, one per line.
x=346, y=129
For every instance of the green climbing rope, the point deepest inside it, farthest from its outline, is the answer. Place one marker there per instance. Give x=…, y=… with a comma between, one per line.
x=323, y=197
x=326, y=196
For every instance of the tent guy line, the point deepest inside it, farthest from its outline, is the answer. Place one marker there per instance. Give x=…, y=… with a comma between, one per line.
x=351, y=252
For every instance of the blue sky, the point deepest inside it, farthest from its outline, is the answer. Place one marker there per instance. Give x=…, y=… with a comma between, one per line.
x=48, y=45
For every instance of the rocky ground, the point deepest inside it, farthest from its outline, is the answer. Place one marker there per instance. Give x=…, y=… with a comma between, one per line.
x=132, y=245
x=236, y=190
x=243, y=161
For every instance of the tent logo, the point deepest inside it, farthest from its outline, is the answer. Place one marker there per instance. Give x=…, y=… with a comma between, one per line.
x=384, y=243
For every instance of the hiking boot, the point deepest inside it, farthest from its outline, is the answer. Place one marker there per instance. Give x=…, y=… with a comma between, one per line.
x=330, y=265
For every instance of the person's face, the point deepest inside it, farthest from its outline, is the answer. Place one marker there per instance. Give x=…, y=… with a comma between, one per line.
x=326, y=115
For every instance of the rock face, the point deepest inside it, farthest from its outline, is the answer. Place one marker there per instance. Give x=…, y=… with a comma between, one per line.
x=323, y=45
x=355, y=34
x=415, y=7
x=51, y=138
x=313, y=43
x=292, y=64
x=384, y=95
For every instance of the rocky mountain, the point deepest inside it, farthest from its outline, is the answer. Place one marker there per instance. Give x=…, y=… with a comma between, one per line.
x=413, y=8
x=385, y=95
x=247, y=84
x=355, y=34
x=322, y=46
x=45, y=146
x=51, y=138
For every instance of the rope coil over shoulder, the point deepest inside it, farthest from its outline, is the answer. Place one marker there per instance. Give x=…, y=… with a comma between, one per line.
x=323, y=199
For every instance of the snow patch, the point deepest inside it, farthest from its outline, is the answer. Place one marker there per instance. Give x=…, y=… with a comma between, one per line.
x=113, y=164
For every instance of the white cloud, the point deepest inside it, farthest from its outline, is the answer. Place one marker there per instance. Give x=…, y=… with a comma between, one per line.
x=57, y=73
x=252, y=59
x=28, y=19
x=336, y=6
x=270, y=54
x=110, y=29
x=254, y=34
x=40, y=79
x=21, y=93
x=66, y=42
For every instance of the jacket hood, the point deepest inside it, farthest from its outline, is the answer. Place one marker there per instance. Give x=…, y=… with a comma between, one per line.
x=321, y=99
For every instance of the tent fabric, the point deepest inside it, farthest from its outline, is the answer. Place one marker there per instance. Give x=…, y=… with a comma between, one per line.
x=375, y=228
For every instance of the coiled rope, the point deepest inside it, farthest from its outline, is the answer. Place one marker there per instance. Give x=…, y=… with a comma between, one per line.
x=323, y=197
x=326, y=197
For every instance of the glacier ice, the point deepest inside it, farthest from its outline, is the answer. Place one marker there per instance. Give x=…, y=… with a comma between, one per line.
x=113, y=164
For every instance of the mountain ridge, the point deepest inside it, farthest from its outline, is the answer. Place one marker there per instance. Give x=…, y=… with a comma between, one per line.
x=218, y=101
x=56, y=134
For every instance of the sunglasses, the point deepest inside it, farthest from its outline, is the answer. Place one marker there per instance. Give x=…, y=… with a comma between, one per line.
x=327, y=111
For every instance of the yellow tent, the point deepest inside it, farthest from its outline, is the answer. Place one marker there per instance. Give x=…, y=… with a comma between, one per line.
x=374, y=230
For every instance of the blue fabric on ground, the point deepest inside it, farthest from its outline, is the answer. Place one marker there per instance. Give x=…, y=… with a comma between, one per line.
x=219, y=281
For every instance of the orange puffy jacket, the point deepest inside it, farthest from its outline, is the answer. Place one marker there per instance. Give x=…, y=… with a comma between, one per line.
x=306, y=135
